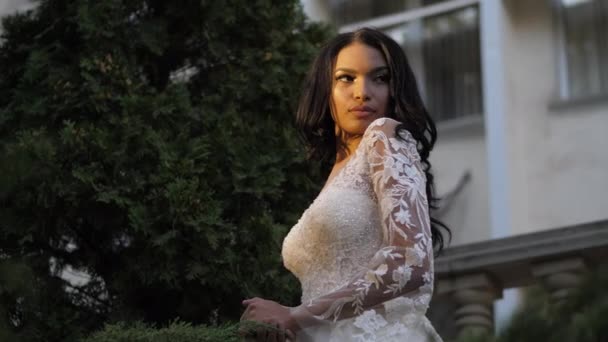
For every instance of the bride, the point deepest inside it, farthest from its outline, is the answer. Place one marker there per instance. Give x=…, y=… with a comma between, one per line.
x=363, y=250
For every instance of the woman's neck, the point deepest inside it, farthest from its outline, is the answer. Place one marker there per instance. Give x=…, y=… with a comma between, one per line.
x=350, y=144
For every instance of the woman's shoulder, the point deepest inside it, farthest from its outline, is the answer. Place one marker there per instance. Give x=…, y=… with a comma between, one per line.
x=384, y=131
x=384, y=124
x=388, y=126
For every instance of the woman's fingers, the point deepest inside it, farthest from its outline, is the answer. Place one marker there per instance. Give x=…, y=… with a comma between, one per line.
x=262, y=333
x=271, y=335
x=290, y=336
x=247, y=329
x=249, y=301
x=275, y=333
x=280, y=333
x=246, y=314
x=271, y=317
x=269, y=332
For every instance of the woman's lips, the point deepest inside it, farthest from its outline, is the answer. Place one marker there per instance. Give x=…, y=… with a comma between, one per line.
x=362, y=111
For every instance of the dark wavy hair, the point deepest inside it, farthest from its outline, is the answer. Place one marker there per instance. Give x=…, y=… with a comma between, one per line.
x=314, y=118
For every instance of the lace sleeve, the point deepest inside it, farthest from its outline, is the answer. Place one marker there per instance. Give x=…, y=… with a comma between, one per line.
x=404, y=265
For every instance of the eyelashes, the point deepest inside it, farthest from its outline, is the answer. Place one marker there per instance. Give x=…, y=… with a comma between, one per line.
x=384, y=78
x=345, y=78
x=380, y=78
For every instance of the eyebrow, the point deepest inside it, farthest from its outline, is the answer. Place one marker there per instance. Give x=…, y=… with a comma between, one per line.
x=353, y=71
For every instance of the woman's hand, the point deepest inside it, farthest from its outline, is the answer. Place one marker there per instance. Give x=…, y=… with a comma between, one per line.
x=273, y=314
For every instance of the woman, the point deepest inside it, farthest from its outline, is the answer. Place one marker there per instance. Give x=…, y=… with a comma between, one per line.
x=363, y=250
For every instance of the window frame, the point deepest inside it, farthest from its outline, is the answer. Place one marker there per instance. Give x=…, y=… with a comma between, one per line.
x=410, y=15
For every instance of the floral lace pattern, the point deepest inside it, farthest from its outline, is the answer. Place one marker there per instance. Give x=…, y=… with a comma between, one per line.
x=363, y=249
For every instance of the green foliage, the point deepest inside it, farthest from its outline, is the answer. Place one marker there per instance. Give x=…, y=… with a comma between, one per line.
x=175, y=332
x=172, y=194
x=581, y=317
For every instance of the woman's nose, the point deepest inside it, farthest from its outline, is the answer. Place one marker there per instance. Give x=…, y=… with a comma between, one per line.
x=361, y=90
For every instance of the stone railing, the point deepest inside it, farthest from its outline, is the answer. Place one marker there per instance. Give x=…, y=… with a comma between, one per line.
x=470, y=277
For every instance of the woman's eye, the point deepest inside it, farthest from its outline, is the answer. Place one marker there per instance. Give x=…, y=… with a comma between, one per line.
x=382, y=78
x=345, y=78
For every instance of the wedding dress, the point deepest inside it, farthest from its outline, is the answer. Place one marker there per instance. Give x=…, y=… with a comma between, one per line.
x=363, y=251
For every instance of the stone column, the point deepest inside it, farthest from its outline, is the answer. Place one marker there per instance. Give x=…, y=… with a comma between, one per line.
x=561, y=276
x=474, y=295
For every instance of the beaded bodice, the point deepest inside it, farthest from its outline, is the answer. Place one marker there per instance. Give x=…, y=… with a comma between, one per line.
x=335, y=239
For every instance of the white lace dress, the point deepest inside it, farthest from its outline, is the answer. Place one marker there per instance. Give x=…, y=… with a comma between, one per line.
x=362, y=250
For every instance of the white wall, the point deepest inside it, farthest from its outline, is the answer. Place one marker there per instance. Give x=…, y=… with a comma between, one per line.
x=455, y=153
x=559, y=157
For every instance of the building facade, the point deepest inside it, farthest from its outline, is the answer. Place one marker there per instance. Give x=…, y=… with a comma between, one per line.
x=519, y=90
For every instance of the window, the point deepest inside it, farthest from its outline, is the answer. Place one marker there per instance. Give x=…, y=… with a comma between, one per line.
x=444, y=53
x=442, y=46
x=583, y=25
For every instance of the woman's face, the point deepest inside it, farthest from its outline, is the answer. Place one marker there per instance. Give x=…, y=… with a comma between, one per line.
x=360, y=89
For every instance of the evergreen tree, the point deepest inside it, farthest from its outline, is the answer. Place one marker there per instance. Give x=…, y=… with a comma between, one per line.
x=148, y=144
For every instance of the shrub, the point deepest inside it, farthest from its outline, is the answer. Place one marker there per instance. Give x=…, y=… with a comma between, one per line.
x=147, y=145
